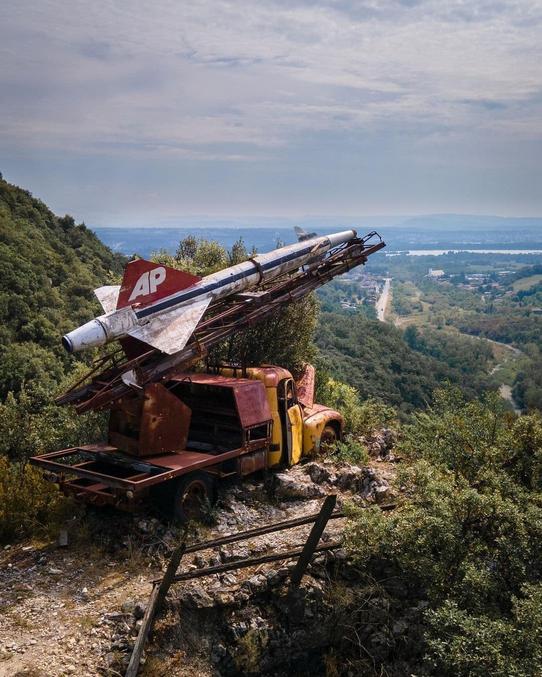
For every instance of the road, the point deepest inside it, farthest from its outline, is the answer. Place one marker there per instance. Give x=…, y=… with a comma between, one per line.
x=383, y=299
x=505, y=391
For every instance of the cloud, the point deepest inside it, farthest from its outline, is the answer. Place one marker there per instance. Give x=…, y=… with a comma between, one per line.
x=213, y=80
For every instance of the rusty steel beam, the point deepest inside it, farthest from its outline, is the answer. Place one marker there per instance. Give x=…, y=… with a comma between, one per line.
x=258, y=531
x=251, y=561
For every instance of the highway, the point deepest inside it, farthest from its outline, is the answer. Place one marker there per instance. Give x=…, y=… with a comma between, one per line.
x=383, y=299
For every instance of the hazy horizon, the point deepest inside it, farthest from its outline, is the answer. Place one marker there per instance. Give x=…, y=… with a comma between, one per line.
x=284, y=222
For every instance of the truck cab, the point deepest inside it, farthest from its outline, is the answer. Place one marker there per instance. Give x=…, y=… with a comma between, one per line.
x=299, y=425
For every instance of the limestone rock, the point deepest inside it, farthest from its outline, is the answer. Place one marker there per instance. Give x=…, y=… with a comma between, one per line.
x=348, y=477
x=380, y=442
x=318, y=473
x=290, y=487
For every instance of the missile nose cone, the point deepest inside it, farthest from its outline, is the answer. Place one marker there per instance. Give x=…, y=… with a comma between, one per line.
x=339, y=238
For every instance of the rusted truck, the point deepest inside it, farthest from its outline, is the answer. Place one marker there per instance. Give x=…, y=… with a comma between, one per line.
x=174, y=440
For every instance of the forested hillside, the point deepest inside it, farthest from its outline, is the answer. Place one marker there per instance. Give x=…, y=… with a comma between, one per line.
x=375, y=358
x=49, y=267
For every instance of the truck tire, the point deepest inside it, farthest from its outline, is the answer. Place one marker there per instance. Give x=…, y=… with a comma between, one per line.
x=194, y=496
x=328, y=436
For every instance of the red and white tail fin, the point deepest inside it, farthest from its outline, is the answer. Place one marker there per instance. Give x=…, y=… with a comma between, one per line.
x=145, y=282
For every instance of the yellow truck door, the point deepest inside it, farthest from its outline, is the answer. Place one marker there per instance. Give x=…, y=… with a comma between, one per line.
x=293, y=421
x=295, y=434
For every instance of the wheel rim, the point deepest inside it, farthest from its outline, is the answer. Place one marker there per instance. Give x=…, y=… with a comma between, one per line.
x=193, y=499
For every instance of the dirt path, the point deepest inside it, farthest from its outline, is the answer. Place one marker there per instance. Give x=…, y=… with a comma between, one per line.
x=58, y=610
x=505, y=391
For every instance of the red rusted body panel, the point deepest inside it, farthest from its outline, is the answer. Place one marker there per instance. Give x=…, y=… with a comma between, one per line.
x=165, y=422
x=156, y=437
x=305, y=386
x=250, y=397
x=149, y=424
x=253, y=462
x=108, y=477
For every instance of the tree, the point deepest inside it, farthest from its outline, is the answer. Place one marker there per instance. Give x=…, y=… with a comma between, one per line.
x=27, y=363
x=238, y=252
x=284, y=338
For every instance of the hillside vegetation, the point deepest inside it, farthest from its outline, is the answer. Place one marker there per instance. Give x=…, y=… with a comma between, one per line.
x=452, y=576
x=401, y=370
x=447, y=582
x=49, y=267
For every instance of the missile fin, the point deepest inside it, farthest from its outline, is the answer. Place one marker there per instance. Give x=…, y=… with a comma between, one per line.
x=108, y=296
x=170, y=333
x=145, y=282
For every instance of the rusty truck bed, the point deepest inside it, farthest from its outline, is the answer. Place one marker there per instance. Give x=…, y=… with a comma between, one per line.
x=192, y=422
x=101, y=474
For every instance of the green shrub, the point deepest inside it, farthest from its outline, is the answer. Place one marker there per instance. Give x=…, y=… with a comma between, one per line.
x=31, y=423
x=361, y=418
x=350, y=450
x=466, y=540
x=465, y=645
x=29, y=506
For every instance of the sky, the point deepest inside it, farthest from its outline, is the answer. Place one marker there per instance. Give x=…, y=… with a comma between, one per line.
x=148, y=113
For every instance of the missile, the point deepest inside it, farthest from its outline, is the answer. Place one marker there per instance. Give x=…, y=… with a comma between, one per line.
x=162, y=306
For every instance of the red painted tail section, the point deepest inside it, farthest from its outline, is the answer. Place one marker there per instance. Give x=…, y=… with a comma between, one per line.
x=145, y=282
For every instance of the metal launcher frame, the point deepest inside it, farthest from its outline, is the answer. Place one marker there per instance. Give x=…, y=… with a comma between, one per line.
x=108, y=382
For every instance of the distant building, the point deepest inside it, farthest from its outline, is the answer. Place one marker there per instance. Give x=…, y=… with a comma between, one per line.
x=433, y=272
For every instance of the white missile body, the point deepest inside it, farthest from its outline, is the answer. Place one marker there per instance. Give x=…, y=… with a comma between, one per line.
x=162, y=306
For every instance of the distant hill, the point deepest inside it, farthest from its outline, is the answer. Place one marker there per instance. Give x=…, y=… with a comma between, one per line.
x=49, y=267
x=459, y=222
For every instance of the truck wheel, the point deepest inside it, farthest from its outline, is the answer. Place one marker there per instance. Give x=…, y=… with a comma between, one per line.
x=194, y=496
x=329, y=436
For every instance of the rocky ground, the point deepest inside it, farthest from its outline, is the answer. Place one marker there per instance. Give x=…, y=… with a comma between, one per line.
x=76, y=608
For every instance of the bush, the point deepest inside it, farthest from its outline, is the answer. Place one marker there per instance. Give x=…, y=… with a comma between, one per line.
x=31, y=424
x=350, y=450
x=466, y=540
x=361, y=418
x=465, y=645
x=24, y=363
x=29, y=505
